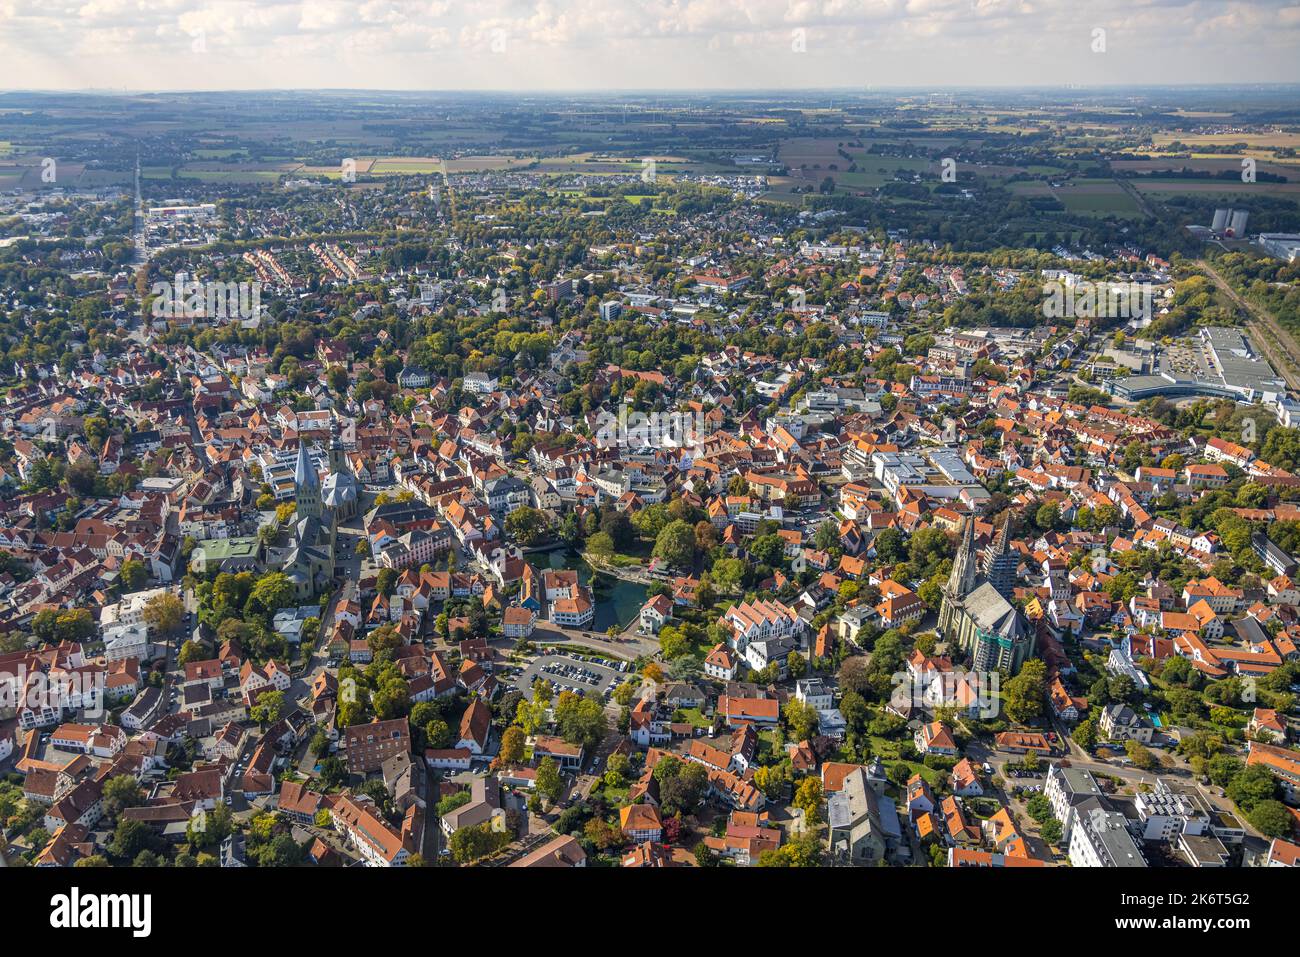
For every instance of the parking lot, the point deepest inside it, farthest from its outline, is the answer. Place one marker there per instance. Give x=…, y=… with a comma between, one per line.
x=1023, y=784
x=567, y=673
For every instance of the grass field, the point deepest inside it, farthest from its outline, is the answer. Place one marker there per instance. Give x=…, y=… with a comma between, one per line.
x=229, y=175
x=1097, y=198
x=406, y=165
x=1270, y=140
x=26, y=173
x=93, y=178
x=1174, y=187
x=594, y=163
x=811, y=151
x=1213, y=164
x=481, y=164
x=780, y=191
x=1086, y=197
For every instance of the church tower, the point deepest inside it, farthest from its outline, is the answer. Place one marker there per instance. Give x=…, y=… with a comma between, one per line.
x=306, y=485
x=338, y=459
x=1000, y=562
x=962, y=580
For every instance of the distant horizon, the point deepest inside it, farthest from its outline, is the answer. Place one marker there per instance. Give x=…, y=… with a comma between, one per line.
x=155, y=46
x=663, y=91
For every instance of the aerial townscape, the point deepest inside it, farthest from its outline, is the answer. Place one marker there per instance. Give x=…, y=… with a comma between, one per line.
x=698, y=480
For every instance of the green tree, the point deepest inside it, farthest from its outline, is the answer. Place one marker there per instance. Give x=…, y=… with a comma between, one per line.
x=211, y=828
x=549, y=782
x=320, y=744
x=470, y=844
x=1024, y=692
x=281, y=851
x=808, y=798
x=728, y=573
x=163, y=613
x=623, y=693
x=675, y=544
x=120, y=792
x=271, y=592
x=383, y=639
x=333, y=772
x=797, y=665
x=269, y=708
x=437, y=734
x=129, y=839
x=1085, y=734
x=673, y=642
x=1039, y=807
x=133, y=574
x=601, y=546
x=801, y=718
x=528, y=526
x=1141, y=757
x=1271, y=818
x=682, y=785
x=581, y=720
x=191, y=651
x=616, y=770
x=802, y=851
x=1251, y=786
x=512, y=746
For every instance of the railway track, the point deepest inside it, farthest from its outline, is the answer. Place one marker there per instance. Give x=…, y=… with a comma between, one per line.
x=1278, y=346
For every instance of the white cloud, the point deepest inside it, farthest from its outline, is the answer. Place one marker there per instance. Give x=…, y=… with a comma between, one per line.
x=643, y=43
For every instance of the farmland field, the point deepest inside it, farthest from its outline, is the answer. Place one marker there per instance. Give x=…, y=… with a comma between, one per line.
x=480, y=164
x=406, y=165
x=1170, y=187
x=229, y=175
x=1089, y=197
x=1271, y=140
x=1203, y=164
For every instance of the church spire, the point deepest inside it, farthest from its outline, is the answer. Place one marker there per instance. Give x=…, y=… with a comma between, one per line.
x=306, y=483
x=1001, y=562
x=962, y=580
x=1002, y=543
x=304, y=473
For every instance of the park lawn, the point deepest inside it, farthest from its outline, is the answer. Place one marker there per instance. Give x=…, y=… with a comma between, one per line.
x=982, y=807
x=614, y=797
x=696, y=717
x=887, y=750
x=932, y=777
x=767, y=741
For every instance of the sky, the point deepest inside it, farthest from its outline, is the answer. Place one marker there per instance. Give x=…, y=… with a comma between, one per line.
x=641, y=44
